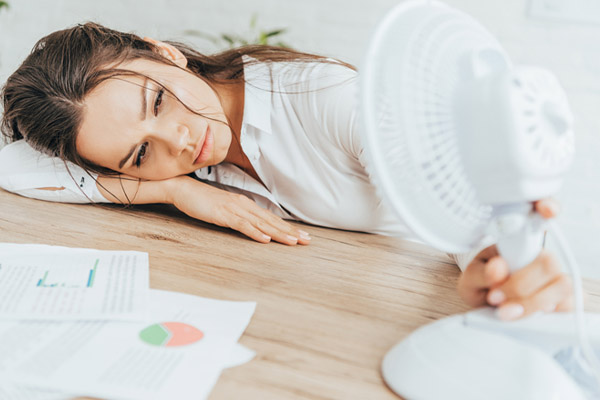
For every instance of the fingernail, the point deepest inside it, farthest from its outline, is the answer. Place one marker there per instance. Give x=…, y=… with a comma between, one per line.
x=510, y=312
x=304, y=235
x=266, y=237
x=292, y=238
x=496, y=297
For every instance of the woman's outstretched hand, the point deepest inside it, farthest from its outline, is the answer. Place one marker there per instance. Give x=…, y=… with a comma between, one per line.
x=539, y=286
x=207, y=203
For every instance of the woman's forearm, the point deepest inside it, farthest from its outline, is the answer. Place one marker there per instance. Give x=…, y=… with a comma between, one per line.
x=128, y=190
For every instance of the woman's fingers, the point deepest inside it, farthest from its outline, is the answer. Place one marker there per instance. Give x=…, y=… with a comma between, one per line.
x=279, y=229
x=244, y=226
x=568, y=303
x=275, y=232
x=555, y=296
x=485, y=271
x=540, y=286
x=254, y=219
x=482, y=275
x=234, y=211
x=547, y=208
x=530, y=279
x=473, y=295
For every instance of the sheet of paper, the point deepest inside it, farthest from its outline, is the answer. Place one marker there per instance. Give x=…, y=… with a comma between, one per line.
x=239, y=355
x=8, y=390
x=179, y=352
x=21, y=392
x=61, y=283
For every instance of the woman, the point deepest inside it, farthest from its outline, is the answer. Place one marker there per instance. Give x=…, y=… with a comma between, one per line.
x=139, y=117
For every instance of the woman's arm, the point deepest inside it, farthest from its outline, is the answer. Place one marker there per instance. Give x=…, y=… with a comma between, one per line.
x=206, y=203
x=29, y=173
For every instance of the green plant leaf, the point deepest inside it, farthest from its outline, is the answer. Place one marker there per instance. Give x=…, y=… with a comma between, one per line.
x=231, y=40
x=275, y=32
x=263, y=39
x=228, y=39
x=3, y=4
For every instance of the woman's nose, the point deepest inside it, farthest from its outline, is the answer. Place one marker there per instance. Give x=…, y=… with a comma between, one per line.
x=179, y=140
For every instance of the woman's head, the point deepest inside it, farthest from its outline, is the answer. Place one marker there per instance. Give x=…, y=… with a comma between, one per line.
x=79, y=96
x=132, y=125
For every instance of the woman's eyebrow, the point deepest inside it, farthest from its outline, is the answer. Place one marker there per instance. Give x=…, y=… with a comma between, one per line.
x=124, y=160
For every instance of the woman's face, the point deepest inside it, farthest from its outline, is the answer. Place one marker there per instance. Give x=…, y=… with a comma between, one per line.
x=133, y=126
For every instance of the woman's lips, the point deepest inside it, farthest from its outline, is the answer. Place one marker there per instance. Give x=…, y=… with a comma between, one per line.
x=206, y=149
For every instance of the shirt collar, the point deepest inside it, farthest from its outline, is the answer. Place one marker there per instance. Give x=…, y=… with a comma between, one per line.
x=257, y=94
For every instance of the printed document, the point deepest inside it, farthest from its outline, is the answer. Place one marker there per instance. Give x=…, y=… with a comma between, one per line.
x=178, y=352
x=61, y=283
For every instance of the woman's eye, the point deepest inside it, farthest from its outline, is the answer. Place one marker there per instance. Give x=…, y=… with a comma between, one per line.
x=141, y=154
x=158, y=101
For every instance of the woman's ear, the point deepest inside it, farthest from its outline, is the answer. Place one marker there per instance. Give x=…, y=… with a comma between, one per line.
x=170, y=52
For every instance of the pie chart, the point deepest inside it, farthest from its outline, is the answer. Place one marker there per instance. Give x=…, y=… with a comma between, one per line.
x=171, y=334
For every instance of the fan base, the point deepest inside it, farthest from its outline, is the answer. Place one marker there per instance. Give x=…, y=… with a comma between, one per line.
x=476, y=356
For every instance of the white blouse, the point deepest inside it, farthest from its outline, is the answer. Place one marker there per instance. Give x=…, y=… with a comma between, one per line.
x=300, y=131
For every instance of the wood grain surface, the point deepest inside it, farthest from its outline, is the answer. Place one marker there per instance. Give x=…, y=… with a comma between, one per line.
x=326, y=313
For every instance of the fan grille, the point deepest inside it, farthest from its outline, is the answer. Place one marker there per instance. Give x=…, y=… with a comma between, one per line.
x=411, y=77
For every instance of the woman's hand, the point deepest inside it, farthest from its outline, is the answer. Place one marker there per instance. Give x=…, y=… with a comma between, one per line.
x=204, y=202
x=539, y=286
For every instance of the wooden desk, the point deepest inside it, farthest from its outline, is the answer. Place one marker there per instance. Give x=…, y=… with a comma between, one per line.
x=326, y=313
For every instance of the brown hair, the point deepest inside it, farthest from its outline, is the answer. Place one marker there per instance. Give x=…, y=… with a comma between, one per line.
x=43, y=98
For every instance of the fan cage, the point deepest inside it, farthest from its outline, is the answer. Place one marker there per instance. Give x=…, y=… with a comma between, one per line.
x=410, y=80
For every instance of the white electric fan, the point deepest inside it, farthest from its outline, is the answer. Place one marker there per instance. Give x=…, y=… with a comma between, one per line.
x=459, y=143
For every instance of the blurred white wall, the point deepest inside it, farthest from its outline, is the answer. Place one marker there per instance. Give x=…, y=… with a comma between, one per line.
x=570, y=46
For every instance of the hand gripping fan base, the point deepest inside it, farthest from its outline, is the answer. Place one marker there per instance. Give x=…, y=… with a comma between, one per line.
x=460, y=142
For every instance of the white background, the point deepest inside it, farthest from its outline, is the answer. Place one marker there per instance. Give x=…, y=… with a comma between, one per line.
x=562, y=35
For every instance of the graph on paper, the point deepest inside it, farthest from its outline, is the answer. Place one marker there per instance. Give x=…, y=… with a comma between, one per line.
x=50, y=282
x=171, y=334
x=70, y=280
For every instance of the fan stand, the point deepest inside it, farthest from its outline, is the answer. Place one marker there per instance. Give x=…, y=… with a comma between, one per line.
x=476, y=356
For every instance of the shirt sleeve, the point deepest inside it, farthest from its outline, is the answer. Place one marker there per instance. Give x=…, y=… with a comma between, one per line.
x=24, y=171
x=323, y=97
x=339, y=103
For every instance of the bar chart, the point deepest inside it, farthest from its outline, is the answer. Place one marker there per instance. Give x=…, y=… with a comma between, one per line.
x=69, y=281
